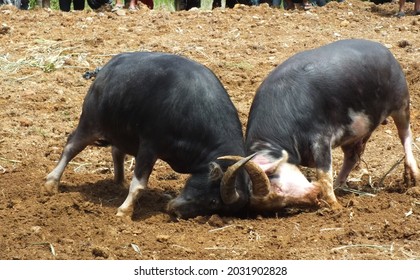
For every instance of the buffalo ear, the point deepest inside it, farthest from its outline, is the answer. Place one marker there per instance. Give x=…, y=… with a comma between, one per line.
x=216, y=172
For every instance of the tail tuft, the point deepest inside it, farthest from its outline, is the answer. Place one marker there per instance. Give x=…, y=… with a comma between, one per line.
x=91, y=74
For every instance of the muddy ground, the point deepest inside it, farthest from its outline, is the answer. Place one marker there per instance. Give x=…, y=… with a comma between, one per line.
x=43, y=55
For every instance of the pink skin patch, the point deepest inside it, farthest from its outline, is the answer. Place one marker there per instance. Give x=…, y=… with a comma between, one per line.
x=289, y=187
x=360, y=123
x=291, y=182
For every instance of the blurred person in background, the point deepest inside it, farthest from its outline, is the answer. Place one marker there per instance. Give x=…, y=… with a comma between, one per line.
x=133, y=5
x=287, y=4
x=77, y=5
x=20, y=4
x=43, y=3
x=401, y=11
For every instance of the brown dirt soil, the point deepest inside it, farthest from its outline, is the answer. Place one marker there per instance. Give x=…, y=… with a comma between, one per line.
x=43, y=55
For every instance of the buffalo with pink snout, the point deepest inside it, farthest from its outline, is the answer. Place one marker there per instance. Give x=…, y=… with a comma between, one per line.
x=317, y=100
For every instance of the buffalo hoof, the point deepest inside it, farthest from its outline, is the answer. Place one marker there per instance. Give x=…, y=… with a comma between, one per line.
x=125, y=212
x=335, y=206
x=50, y=187
x=414, y=192
x=331, y=204
x=329, y=208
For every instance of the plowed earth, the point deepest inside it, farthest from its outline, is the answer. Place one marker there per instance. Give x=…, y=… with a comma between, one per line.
x=43, y=55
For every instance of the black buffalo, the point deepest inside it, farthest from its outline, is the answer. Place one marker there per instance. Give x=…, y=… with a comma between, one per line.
x=332, y=96
x=162, y=106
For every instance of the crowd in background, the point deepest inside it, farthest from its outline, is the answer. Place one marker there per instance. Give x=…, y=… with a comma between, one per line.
x=65, y=5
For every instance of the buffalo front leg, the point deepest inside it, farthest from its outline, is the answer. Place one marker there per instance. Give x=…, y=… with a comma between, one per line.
x=145, y=160
x=137, y=185
x=325, y=184
x=323, y=164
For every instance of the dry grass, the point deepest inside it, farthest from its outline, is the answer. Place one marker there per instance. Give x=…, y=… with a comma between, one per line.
x=47, y=55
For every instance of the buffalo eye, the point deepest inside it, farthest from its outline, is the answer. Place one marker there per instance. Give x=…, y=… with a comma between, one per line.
x=213, y=203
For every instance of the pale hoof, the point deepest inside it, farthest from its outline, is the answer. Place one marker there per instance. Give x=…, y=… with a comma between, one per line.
x=329, y=208
x=331, y=204
x=50, y=187
x=414, y=192
x=335, y=206
x=124, y=213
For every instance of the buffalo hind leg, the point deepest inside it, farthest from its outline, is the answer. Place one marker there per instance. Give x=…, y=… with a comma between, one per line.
x=76, y=142
x=411, y=170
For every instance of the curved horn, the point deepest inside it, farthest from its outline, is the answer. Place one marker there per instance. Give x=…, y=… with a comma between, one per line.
x=227, y=186
x=260, y=182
